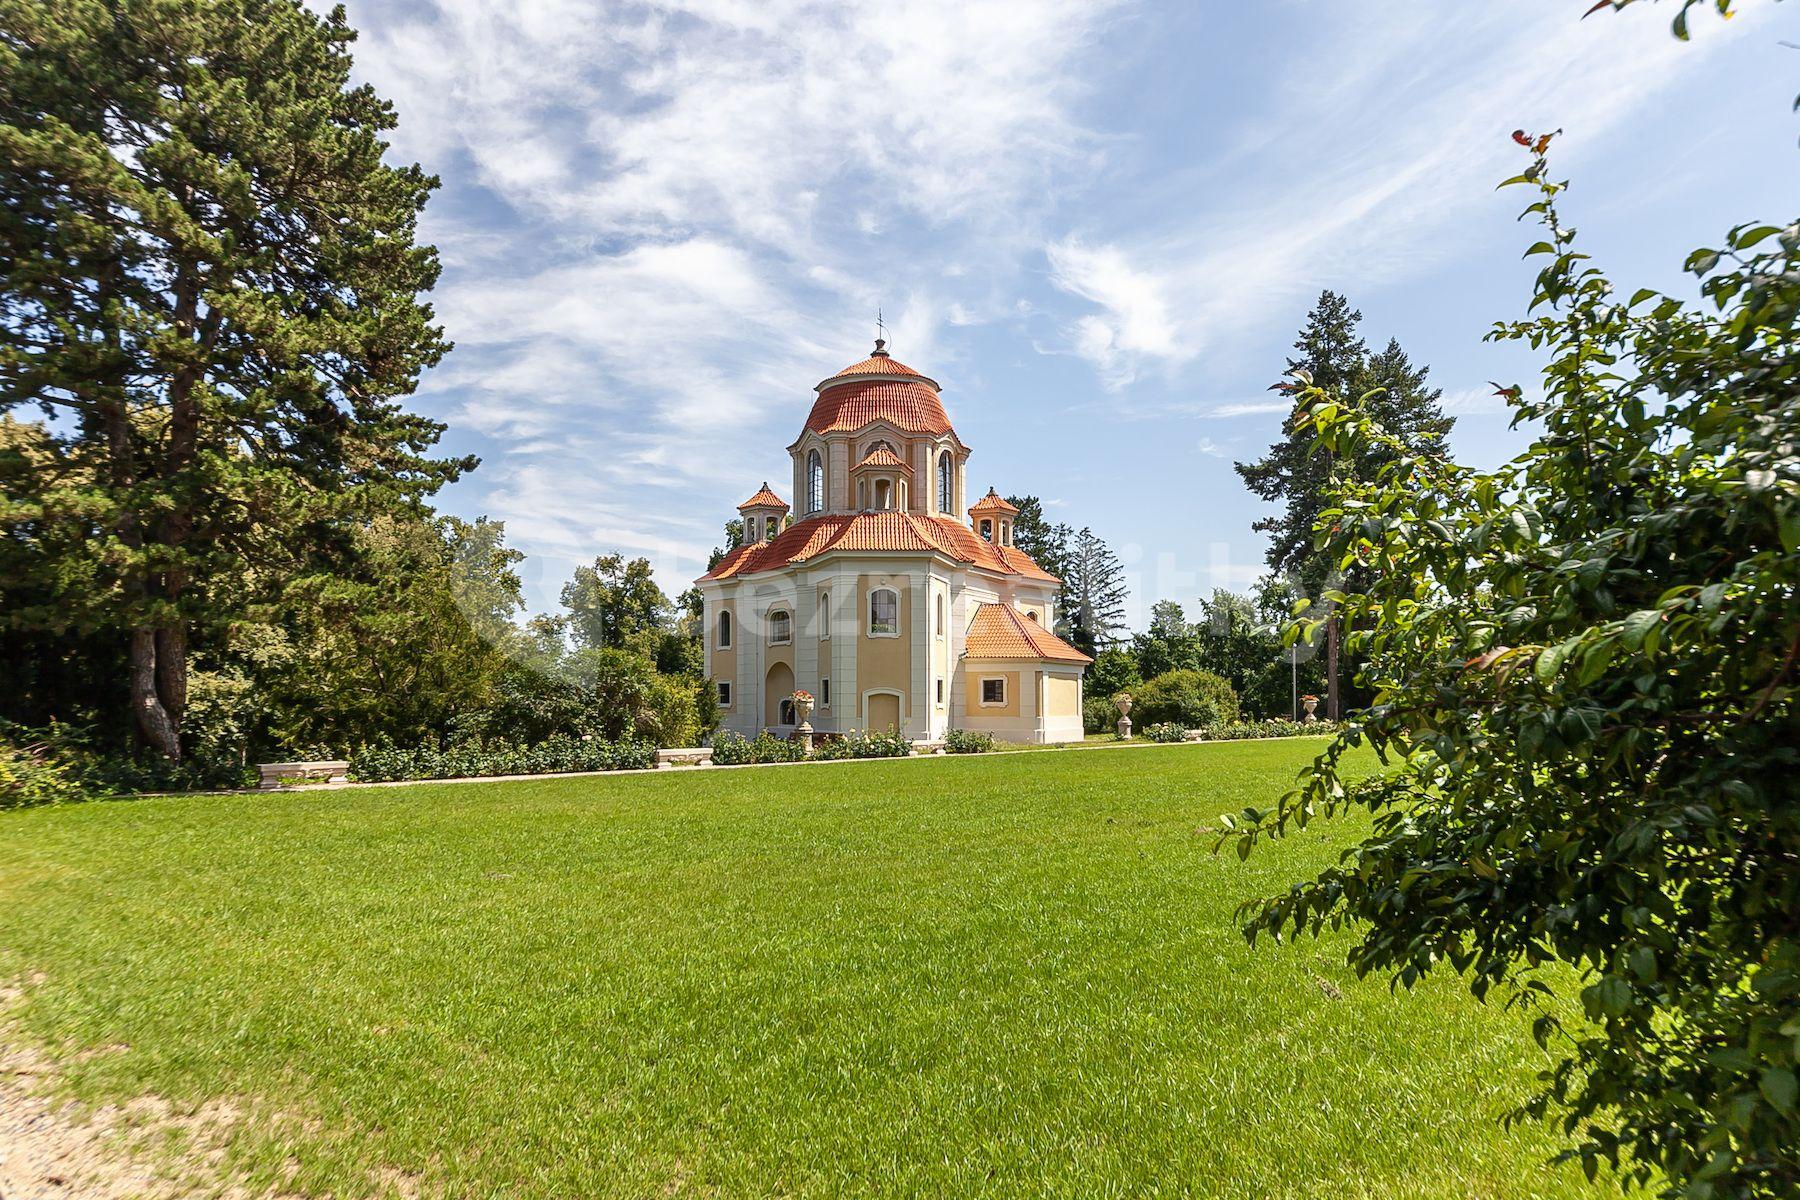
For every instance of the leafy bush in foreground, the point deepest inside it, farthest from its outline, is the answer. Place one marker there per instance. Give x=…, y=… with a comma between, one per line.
x=968, y=741
x=1587, y=714
x=384, y=762
x=1167, y=731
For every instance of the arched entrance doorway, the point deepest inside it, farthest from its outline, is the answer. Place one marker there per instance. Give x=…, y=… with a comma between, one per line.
x=778, y=695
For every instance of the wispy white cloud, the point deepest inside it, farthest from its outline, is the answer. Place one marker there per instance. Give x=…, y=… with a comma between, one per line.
x=665, y=220
x=1307, y=197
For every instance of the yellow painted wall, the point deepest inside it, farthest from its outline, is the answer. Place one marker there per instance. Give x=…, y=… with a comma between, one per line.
x=724, y=662
x=884, y=713
x=972, y=694
x=1062, y=696
x=884, y=662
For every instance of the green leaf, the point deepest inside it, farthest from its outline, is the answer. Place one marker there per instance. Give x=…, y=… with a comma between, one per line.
x=1550, y=661
x=1637, y=625
x=1779, y=1087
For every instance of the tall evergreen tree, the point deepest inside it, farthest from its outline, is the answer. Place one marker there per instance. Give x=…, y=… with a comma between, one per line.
x=1093, y=594
x=1333, y=355
x=210, y=288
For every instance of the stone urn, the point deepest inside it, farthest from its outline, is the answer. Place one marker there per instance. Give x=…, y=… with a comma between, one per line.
x=1310, y=704
x=803, y=706
x=1123, y=700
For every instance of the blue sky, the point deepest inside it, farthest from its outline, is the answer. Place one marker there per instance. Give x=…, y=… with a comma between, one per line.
x=1097, y=224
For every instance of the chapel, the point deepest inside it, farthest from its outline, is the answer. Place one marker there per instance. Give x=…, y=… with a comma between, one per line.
x=877, y=597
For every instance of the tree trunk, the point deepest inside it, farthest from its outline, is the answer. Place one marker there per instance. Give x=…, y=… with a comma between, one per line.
x=1331, y=669
x=154, y=722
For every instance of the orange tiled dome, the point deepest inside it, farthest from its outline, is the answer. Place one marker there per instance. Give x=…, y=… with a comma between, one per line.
x=878, y=389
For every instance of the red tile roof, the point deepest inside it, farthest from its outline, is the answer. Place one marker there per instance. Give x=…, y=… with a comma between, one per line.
x=878, y=364
x=892, y=532
x=1000, y=631
x=763, y=498
x=881, y=456
x=992, y=501
x=909, y=406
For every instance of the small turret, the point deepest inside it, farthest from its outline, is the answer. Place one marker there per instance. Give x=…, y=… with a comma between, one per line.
x=992, y=518
x=762, y=514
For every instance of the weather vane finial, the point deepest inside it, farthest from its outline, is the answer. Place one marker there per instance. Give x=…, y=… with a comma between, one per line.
x=880, y=332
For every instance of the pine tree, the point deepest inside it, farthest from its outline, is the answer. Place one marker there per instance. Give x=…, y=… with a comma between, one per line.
x=1093, y=594
x=210, y=288
x=1333, y=354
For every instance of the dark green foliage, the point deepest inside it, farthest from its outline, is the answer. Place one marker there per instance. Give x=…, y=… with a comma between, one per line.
x=384, y=762
x=1186, y=698
x=1586, y=700
x=1114, y=670
x=1099, y=715
x=30, y=775
x=615, y=602
x=1093, y=595
x=1170, y=644
x=968, y=741
x=210, y=292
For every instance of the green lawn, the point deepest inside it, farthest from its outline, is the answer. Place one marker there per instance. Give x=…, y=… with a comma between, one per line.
x=1012, y=975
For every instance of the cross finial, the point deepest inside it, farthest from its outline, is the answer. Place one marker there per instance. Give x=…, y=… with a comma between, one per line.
x=880, y=333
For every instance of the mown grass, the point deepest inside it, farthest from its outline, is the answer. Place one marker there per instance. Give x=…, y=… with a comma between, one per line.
x=1014, y=975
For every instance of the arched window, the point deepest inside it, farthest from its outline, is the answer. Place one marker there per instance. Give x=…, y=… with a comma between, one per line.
x=940, y=616
x=815, y=483
x=824, y=615
x=884, y=498
x=884, y=613
x=1031, y=615
x=946, y=477
x=1006, y=533
x=725, y=631
x=781, y=627
x=987, y=530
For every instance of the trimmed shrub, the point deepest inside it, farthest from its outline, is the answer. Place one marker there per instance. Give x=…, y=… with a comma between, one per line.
x=968, y=741
x=1168, y=731
x=1276, y=727
x=735, y=750
x=1192, y=699
x=385, y=762
x=892, y=744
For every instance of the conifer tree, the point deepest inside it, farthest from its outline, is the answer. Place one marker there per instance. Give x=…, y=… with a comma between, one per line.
x=210, y=292
x=1332, y=354
x=1093, y=597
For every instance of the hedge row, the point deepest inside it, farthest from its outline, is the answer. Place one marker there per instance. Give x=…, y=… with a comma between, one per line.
x=384, y=763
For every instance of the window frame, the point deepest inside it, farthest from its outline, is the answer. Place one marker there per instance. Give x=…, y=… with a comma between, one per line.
x=869, y=626
x=815, y=482
x=824, y=693
x=946, y=482
x=723, y=631
x=986, y=529
x=943, y=623
x=983, y=701
x=724, y=692
x=787, y=618
x=824, y=616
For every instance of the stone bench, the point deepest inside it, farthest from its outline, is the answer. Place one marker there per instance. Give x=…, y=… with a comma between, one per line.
x=685, y=756
x=289, y=774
